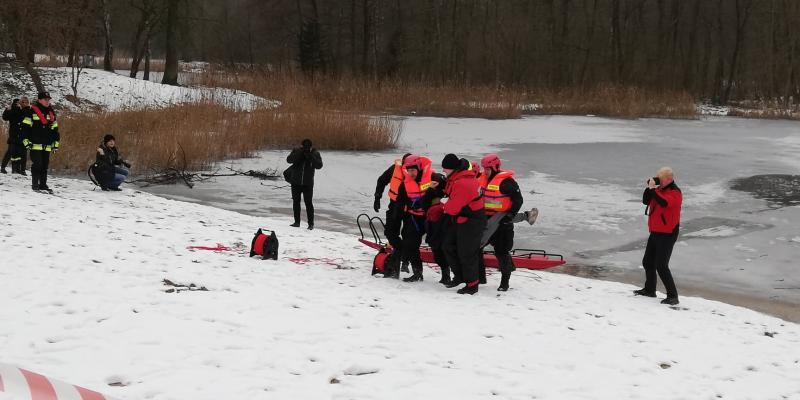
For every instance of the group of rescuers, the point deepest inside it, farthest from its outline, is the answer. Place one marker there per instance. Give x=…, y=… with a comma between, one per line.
x=483, y=203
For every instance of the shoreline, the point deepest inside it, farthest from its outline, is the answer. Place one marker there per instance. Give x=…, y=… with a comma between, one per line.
x=787, y=311
x=784, y=310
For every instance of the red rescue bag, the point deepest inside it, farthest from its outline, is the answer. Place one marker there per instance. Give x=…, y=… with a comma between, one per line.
x=265, y=245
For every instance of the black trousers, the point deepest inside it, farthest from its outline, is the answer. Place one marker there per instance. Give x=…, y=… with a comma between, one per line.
x=41, y=162
x=502, y=242
x=394, y=224
x=7, y=156
x=462, y=248
x=413, y=229
x=656, y=261
x=307, y=191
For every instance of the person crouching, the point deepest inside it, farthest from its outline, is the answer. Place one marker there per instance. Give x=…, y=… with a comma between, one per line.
x=108, y=168
x=465, y=207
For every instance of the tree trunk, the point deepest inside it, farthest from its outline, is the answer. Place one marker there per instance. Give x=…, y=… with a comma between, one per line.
x=147, y=59
x=742, y=15
x=108, y=54
x=171, y=63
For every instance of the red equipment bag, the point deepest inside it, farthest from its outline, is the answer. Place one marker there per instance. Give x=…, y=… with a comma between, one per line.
x=379, y=262
x=264, y=245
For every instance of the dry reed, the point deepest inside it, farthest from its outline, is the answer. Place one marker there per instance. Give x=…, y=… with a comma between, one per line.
x=194, y=136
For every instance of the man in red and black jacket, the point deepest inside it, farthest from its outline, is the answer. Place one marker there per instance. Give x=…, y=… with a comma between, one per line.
x=464, y=206
x=41, y=137
x=663, y=199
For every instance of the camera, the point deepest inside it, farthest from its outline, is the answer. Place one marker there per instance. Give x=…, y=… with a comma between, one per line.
x=655, y=180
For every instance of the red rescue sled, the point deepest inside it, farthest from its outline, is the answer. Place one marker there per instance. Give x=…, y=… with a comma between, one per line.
x=523, y=258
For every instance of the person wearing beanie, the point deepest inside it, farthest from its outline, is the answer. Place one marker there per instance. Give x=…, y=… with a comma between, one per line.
x=464, y=207
x=392, y=177
x=300, y=175
x=107, y=168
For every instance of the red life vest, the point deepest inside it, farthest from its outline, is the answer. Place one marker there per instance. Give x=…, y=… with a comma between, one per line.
x=415, y=190
x=493, y=200
x=665, y=219
x=397, y=179
x=44, y=120
x=463, y=190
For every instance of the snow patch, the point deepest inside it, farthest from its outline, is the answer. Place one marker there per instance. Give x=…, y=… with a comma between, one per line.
x=98, y=89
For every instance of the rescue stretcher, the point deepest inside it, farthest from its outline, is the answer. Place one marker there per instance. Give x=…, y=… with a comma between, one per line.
x=523, y=258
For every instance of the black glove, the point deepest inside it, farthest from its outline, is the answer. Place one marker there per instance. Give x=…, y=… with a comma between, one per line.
x=377, y=205
x=126, y=164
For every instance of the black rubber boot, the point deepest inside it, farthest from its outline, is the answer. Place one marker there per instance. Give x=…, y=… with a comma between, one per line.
x=468, y=290
x=417, y=277
x=453, y=283
x=504, y=282
x=643, y=292
x=404, y=268
x=673, y=301
x=482, y=272
x=445, y=276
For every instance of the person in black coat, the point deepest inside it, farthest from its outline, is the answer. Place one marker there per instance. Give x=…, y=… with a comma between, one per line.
x=41, y=137
x=305, y=161
x=107, y=168
x=16, y=152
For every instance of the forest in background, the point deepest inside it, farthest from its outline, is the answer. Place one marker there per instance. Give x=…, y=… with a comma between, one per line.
x=717, y=50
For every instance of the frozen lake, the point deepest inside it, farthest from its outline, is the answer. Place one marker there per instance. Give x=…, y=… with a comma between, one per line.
x=586, y=176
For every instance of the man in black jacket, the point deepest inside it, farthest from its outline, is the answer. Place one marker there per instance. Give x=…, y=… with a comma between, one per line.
x=41, y=137
x=305, y=160
x=16, y=152
x=502, y=200
x=107, y=168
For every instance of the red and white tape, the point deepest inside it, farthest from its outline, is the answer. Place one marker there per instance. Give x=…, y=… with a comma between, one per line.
x=26, y=385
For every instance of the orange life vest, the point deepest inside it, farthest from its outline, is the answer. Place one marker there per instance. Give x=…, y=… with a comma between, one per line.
x=493, y=200
x=415, y=190
x=397, y=179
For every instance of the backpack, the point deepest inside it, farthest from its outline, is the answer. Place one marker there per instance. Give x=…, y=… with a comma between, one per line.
x=265, y=246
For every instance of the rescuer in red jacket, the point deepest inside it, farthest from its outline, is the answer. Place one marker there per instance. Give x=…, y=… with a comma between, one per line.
x=464, y=206
x=663, y=199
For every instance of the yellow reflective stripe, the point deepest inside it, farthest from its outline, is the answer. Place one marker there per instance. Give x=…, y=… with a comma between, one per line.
x=492, y=205
x=35, y=117
x=493, y=187
x=425, y=186
x=37, y=147
x=54, y=126
x=16, y=158
x=25, y=142
x=27, y=121
x=56, y=144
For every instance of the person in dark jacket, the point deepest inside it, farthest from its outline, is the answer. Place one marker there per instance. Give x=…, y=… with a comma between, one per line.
x=305, y=161
x=464, y=207
x=16, y=152
x=502, y=200
x=663, y=199
x=410, y=204
x=40, y=137
x=436, y=225
x=107, y=168
x=392, y=177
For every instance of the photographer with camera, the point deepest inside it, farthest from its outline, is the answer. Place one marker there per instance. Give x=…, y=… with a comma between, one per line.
x=663, y=199
x=16, y=152
x=305, y=161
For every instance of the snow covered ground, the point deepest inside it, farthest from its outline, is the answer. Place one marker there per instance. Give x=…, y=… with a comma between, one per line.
x=83, y=300
x=115, y=92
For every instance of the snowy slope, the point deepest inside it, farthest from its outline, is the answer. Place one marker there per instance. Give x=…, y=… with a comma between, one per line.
x=83, y=301
x=114, y=92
